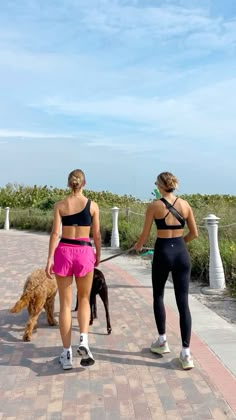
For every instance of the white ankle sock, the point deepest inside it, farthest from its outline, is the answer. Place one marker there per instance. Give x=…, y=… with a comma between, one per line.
x=162, y=338
x=66, y=350
x=84, y=339
x=185, y=351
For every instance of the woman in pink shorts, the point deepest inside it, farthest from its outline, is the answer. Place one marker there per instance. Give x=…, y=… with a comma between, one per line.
x=74, y=256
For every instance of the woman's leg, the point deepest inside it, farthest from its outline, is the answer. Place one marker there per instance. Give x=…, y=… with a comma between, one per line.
x=181, y=284
x=181, y=275
x=65, y=297
x=160, y=272
x=84, y=285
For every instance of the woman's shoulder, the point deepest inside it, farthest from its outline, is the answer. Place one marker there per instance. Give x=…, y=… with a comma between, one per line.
x=154, y=205
x=183, y=202
x=184, y=207
x=61, y=203
x=93, y=205
x=92, y=202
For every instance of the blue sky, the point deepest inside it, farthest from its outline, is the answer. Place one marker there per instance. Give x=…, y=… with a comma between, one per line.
x=122, y=89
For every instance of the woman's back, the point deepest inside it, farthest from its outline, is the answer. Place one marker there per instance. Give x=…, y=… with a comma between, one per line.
x=170, y=225
x=76, y=216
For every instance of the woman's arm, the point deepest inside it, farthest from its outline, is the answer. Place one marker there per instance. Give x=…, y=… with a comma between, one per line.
x=96, y=231
x=192, y=227
x=146, y=228
x=53, y=239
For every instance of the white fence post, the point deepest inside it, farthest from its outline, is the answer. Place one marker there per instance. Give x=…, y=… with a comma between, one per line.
x=115, y=240
x=216, y=272
x=127, y=211
x=7, y=223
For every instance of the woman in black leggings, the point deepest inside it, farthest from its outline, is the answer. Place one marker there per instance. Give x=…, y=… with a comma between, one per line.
x=170, y=215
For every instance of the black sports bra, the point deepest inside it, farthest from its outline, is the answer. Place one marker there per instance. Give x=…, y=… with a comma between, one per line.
x=82, y=218
x=161, y=223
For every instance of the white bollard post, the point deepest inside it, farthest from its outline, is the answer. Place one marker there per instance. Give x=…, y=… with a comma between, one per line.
x=7, y=223
x=216, y=272
x=115, y=240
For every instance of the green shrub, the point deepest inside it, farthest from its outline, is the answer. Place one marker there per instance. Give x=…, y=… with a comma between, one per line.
x=199, y=255
x=228, y=256
x=125, y=234
x=21, y=196
x=232, y=283
x=48, y=203
x=29, y=219
x=106, y=236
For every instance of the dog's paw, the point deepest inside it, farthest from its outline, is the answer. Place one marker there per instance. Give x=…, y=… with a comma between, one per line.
x=91, y=322
x=109, y=330
x=26, y=337
x=53, y=323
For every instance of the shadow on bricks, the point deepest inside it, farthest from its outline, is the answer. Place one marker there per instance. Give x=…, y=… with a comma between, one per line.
x=22, y=356
x=135, y=358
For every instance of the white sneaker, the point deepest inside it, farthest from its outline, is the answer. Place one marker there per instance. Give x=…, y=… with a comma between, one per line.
x=186, y=362
x=159, y=348
x=66, y=360
x=87, y=357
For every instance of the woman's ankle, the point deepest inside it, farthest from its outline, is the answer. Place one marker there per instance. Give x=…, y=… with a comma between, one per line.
x=185, y=351
x=83, y=339
x=162, y=338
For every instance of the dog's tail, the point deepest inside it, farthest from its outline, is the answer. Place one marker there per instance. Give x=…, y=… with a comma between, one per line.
x=20, y=304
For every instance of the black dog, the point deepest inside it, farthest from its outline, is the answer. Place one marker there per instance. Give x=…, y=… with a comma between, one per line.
x=99, y=287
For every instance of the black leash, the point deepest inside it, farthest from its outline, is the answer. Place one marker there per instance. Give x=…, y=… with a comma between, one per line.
x=117, y=255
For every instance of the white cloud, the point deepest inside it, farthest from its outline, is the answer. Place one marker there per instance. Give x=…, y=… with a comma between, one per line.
x=121, y=23
x=196, y=26
x=31, y=135
x=133, y=145
x=206, y=113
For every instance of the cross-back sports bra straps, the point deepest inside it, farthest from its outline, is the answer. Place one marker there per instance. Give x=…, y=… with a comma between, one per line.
x=161, y=223
x=167, y=204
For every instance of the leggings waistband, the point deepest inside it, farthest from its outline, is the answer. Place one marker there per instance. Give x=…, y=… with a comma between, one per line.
x=75, y=242
x=166, y=243
x=170, y=240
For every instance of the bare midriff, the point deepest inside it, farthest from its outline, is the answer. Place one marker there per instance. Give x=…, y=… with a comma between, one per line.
x=170, y=233
x=73, y=232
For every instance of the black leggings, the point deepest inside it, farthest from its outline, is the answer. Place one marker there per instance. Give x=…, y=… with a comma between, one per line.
x=172, y=255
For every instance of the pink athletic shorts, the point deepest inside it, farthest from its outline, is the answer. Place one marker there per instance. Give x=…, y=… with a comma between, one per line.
x=73, y=259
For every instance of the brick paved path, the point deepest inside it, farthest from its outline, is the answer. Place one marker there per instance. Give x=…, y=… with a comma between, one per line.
x=126, y=382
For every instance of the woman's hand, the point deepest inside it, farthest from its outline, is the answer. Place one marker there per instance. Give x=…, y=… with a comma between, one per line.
x=97, y=262
x=49, y=269
x=146, y=228
x=138, y=246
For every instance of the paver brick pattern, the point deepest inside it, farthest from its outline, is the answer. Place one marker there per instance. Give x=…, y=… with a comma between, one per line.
x=126, y=382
